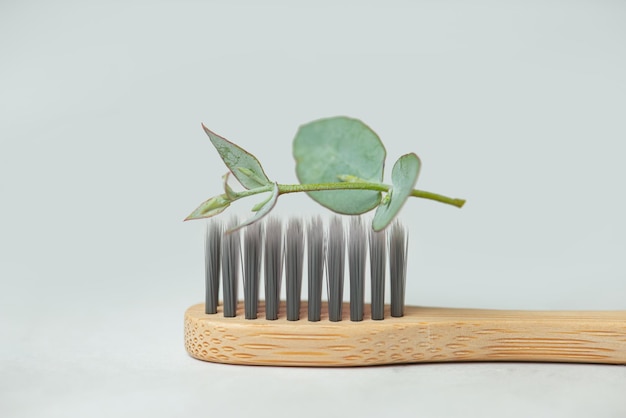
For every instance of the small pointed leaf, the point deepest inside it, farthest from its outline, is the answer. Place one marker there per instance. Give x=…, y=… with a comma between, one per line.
x=227, y=189
x=253, y=176
x=210, y=207
x=261, y=212
x=244, y=166
x=262, y=203
x=403, y=177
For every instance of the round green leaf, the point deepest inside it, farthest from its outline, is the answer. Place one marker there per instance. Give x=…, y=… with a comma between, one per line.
x=403, y=177
x=327, y=150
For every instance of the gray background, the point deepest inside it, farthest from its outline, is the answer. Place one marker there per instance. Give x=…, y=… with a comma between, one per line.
x=517, y=106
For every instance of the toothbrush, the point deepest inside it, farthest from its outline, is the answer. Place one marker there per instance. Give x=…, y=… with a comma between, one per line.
x=337, y=333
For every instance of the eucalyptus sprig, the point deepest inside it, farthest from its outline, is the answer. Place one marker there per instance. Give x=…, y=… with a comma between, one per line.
x=339, y=163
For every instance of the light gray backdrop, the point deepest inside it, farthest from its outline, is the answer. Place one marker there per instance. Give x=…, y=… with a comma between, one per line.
x=516, y=106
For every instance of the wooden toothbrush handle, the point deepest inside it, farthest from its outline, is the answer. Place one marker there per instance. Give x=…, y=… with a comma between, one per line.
x=421, y=335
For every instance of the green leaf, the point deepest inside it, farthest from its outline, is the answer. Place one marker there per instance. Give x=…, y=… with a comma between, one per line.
x=211, y=207
x=230, y=193
x=329, y=150
x=244, y=166
x=267, y=206
x=262, y=203
x=403, y=177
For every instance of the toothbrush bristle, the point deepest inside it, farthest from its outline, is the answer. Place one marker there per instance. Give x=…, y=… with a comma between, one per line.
x=356, y=262
x=335, y=258
x=294, y=257
x=315, y=267
x=377, y=273
x=252, y=252
x=268, y=248
x=212, y=255
x=398, y=242
x=231, y=253
x=273, y=267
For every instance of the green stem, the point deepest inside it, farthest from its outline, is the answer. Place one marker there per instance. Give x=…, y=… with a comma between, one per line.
x=438, y=198
x=318, y=187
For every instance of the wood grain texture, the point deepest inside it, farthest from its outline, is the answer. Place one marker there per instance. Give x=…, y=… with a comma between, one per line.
x=422, y=335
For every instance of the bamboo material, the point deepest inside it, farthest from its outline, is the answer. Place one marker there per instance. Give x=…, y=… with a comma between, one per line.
x=422, y=335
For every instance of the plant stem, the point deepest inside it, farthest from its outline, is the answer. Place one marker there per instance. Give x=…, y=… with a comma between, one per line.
x=318, y=187
x=438, y=198
x=293, y=188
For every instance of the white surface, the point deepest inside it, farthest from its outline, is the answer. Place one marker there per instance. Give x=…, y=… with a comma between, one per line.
x=517, y=106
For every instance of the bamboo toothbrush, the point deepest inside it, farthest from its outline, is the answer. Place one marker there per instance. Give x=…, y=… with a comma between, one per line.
x=339, y=163
x=335, y=333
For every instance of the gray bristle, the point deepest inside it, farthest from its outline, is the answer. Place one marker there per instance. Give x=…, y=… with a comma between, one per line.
x=398, y=242
x=252, y=269
x=357, y=245
x=231, y=253
x=335, y=258
x=212, y=254
x=377, y=273
x=315, y=266
x=294, y=254
x=273, y=267
x=268, y=244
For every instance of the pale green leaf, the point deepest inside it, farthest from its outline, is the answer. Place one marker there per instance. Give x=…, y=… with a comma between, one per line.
x=230, y=193
x=403, y=176
x=262, y=211
x=329, y=150
x=210, y=207
x=244, y=166
x=262, y=203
